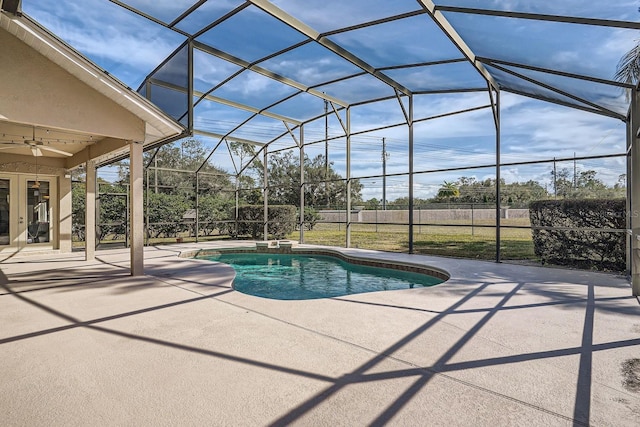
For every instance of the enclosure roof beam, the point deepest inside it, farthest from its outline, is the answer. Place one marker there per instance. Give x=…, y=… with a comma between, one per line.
x=278, y=13
x=404, y=110
x=255, y=156
x=467, y=110
x=595, y=106
x=228, y=138
x=149, y=17
x=227, y=102
x=502, y=165
x=423, y=64
x=252, y=109
x=418, y=92
x=491, y=61
x=293, y=136
x=445, y=91
x=269, y=74
x=565, y=104
x=424, y=119
x=235, y=168
x=453, y=35
x=335, y=112
x=542, y=17
x=375, y=22
x=240, y=139
x=495, y=108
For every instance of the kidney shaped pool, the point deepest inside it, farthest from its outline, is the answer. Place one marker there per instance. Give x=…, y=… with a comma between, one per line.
x=296, y=277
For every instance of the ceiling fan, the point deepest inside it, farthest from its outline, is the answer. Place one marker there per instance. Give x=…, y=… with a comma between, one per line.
x=35, y=146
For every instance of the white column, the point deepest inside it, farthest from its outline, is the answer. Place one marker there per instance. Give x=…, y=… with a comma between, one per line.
x=136, y=211
x=90, y=211
x=65, y=196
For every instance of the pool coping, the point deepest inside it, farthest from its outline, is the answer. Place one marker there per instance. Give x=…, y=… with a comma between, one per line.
x=363, y=260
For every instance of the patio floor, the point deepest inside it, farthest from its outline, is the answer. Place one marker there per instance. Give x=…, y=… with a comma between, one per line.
x=83, y=343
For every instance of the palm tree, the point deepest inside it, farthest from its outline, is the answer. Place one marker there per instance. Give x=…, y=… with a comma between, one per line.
x=448, y=190
x=628, y=68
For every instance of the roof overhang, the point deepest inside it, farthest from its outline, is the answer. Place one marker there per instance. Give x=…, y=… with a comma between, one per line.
x=158, y=126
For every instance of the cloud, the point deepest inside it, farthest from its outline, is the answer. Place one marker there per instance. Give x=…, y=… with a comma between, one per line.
x=323, y=18
x=130, y=47
x=120, y=44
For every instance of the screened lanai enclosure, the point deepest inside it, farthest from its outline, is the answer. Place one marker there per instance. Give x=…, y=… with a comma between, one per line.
x=409, y=125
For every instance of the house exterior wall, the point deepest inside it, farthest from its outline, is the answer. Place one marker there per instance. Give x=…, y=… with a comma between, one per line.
x=34, y=90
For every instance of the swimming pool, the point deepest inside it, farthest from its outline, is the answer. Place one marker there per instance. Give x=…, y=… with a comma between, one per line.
x=296, y=277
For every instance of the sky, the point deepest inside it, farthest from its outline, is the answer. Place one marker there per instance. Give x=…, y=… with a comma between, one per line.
x=130, y=47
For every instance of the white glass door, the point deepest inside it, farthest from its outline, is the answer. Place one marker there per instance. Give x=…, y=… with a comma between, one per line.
x=38, y=213
x=5, y=212
x=27, y=212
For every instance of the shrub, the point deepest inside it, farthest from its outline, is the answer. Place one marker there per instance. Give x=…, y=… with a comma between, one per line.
x=559, y=235
x=311, y=217
x=112, y=208
x=166, y=213
x=281, y=220
x=213, y=211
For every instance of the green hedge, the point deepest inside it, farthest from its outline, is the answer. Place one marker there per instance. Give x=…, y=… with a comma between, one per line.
x=570, y=246
x=281, y=218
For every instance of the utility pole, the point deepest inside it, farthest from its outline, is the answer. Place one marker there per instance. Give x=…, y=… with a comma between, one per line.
x=385, y=156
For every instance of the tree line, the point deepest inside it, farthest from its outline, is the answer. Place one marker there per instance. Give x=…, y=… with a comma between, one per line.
x=171, y=189
x=469, y=190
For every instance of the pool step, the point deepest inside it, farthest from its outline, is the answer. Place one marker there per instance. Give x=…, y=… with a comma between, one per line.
x=275, y=246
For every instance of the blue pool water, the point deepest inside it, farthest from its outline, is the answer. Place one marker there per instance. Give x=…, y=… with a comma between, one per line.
x=294, y=277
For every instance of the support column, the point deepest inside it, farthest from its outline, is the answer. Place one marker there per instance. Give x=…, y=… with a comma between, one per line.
x=302, y=181
x=190, y=88
x=634, y=183
x=237, y=208
x=627, y=208
x=136, y=212
x=348, y=177
x=63, y=236
x=410, y=174
x=197, y=207
x=90, y=211
x=496, y=112
x=147, y=229
x=265, y=194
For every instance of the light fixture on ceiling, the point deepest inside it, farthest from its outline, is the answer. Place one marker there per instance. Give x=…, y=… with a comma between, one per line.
x=36, y=146
x=36, y=184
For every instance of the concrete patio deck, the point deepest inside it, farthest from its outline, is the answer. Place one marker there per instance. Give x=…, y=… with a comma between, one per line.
x=82, y=343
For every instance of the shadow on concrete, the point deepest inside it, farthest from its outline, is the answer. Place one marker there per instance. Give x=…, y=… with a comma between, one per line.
x=582, y=405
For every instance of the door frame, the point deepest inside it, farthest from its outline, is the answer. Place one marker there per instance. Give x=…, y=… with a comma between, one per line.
x=18, y=224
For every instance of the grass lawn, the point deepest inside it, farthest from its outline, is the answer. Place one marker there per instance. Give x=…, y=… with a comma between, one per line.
x=459, y=240
x=456, y=241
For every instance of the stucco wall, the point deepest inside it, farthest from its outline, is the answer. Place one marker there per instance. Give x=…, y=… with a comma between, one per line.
x=35, y=90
